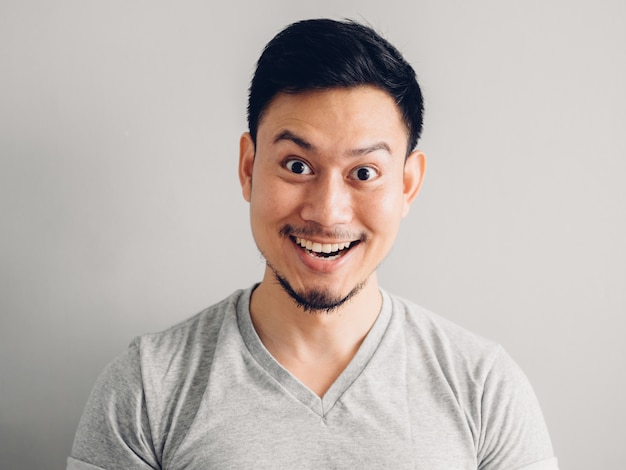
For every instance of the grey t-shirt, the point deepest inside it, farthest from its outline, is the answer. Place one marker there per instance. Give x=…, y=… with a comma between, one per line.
x=421, y=393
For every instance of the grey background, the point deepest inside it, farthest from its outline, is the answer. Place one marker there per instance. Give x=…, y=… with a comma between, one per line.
x=121, y=211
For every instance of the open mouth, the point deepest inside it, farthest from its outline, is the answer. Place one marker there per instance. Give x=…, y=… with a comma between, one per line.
x=328, y=251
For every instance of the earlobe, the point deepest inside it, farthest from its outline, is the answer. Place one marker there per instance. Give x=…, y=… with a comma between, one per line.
x=414, y=169
x=246, y=163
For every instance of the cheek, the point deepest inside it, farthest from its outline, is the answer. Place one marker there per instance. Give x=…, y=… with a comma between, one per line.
x=272, y=202
x=382, y=211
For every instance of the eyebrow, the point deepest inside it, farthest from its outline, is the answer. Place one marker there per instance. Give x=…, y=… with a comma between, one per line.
x=306, y=145
x=299, y=141
x=369, y=149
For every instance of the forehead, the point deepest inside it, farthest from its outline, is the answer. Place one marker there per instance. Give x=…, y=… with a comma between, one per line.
x=338, y=115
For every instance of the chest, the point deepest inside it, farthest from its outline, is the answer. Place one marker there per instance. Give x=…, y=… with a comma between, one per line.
x=377, y=422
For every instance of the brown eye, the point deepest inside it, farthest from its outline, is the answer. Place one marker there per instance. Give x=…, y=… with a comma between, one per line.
x=298, y=167
x=364, y=173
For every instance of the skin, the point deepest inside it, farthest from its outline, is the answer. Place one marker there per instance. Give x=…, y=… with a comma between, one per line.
x=329, y=166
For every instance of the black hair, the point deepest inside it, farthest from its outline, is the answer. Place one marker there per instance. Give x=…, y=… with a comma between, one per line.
x=320, y=54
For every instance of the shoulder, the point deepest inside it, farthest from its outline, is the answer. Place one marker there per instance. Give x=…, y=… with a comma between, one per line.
x=138, y=397
x=469, y=360
x=162, y=353
x=174, y=364
x=491, y=391
x=193, y=337
x=440, y=337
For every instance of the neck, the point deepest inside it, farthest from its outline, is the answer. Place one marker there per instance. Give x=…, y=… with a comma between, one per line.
x=319, y=341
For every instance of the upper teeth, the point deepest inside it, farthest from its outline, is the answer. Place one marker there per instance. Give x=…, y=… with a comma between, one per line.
x=322, y=247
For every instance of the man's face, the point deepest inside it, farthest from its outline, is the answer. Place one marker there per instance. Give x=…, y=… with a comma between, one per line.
x=328, y=187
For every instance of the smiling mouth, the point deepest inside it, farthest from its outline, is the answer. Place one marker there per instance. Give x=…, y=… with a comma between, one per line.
x=329, y=251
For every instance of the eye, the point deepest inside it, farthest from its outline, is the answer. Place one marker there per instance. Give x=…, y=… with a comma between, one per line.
x=298, y=167
x=364, y=173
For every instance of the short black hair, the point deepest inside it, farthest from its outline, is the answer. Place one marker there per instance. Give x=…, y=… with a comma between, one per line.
x=320, y=54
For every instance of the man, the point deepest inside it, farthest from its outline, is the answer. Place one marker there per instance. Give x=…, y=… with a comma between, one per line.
x=317, y=366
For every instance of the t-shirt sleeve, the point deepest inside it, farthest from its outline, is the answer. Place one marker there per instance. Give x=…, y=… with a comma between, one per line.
x=114, y=430
x=513, y=431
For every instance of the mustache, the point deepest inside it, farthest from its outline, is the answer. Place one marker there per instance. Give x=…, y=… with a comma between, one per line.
x=315, y=230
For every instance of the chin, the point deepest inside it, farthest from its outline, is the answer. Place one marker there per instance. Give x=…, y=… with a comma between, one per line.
x=316, y=300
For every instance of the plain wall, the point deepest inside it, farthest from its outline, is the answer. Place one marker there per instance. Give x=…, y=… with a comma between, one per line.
x=121, y=211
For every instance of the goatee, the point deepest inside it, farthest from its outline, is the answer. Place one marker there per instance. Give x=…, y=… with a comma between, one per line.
x=315, y=300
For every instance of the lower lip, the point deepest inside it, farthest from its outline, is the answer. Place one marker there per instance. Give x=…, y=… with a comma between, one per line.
x=321, y=264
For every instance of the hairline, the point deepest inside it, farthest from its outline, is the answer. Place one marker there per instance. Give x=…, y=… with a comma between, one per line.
x=287, y=91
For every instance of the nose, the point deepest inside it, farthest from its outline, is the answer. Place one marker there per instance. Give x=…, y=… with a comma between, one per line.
x=327, y=201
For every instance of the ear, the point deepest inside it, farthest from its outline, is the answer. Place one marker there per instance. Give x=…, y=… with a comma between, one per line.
x=246, y=164
x=414, y=169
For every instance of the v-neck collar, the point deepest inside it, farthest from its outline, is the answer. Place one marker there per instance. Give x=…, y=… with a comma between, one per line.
x=289, y=382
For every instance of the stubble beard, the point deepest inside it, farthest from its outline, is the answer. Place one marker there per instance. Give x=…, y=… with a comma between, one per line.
x=315, y=300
